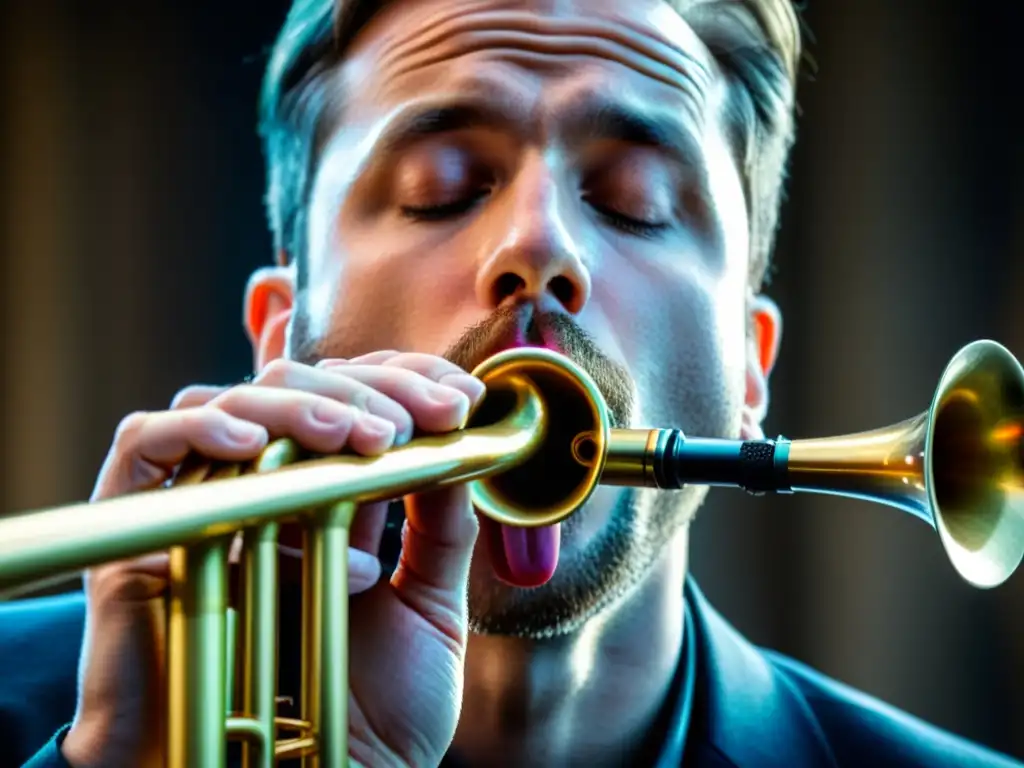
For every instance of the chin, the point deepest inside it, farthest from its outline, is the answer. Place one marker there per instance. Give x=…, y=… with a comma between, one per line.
x=607, y=547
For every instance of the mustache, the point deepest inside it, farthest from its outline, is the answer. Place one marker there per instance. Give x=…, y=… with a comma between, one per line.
x=523, y=325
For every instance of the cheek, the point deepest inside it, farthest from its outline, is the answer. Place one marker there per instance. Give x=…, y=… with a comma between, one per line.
x=370, y=291
x=320, y=296
x=680, y=331
x=374, y=286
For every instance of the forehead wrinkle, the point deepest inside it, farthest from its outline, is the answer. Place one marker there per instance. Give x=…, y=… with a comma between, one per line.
x=451, y=35
x=402, y=41
x=651, y=42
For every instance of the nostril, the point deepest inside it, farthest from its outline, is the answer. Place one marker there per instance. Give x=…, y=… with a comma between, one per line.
x=562, y=288
x=508, y=284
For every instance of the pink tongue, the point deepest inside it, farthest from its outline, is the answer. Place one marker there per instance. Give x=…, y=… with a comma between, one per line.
x=531, y=554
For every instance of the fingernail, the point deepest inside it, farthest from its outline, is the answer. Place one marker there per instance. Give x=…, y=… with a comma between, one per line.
x=330, y=413
x=363, y=570
x=244, y=432
x=471, y=386
x=446, y=396
x=378, y=427
x=332, y=362
x=403, y=437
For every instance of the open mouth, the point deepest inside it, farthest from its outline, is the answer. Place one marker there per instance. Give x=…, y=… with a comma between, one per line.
x=521, y=557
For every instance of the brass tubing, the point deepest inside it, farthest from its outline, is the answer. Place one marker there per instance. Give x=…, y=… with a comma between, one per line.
x=245, y=728
x=886, y=466
x=36, y=546
x=197, y=656
x=629, y=457
x=325, y=634
x=258, y=669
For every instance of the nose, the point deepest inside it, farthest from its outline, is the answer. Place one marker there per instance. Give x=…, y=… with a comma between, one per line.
x=533, y=255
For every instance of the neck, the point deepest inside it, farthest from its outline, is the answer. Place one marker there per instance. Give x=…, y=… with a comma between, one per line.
x=591, y=698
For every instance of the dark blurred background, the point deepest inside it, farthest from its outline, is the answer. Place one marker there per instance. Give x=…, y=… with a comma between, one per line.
x=132, y=186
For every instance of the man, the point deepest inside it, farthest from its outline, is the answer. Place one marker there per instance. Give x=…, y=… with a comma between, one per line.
x=448, y=178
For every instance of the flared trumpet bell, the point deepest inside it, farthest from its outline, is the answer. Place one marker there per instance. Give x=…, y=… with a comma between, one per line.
x=959, y=465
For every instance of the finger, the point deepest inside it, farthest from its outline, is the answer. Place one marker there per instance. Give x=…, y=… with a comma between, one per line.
x=432, y=367
x=371, y=358
x=147, y=446
x=388, y=391
x=235, y=550
x=130, y=581
x=157, y=564
x=368, y=527
x=434, y=407
x=344, y=389
x=364, y=568
x=442, y=371
x=196, y=395
x=437, y=544
x=320, y=424
x=363, y=571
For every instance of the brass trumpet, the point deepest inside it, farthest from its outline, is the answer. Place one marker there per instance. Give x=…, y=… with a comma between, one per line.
x=534, y=452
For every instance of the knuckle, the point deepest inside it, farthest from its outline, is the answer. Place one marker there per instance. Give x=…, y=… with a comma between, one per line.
x=113, y=583
x=412, y=360
x=126, y=587
x=186, y=395
x=279, y=372
x=182, y=396
x=360, y=399
x=231, y=397
x=198, y=419
x=127, y=430
x=429, y=366
x=408, y=377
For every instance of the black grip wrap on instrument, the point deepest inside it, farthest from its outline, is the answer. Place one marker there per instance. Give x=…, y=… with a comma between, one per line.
x=757, y=467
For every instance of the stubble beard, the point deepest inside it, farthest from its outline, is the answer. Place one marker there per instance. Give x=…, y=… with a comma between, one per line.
x=594, y=578
x=607, y=569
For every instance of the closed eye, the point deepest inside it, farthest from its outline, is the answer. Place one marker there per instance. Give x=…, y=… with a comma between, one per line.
x=629, y=224
x=443, y=211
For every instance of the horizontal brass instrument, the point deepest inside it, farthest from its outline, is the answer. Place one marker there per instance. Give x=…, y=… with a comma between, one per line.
x=533, y=452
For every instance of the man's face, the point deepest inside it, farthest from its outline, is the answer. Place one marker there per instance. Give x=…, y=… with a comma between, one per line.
x=550, y=171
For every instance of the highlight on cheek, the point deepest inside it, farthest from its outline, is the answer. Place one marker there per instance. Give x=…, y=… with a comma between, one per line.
x=730, y=219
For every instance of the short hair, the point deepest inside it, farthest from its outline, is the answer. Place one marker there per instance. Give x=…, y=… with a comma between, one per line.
x=757, y=44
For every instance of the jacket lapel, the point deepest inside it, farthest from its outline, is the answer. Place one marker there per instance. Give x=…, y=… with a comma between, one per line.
x=750, y=715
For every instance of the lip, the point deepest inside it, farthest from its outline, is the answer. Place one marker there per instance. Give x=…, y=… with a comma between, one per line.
x=526, y=344
x=529, y=331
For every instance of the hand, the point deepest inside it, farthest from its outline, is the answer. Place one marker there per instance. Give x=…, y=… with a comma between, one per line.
x=407, y=637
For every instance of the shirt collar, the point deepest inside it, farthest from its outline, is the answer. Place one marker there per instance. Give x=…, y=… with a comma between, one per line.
x=684, y=685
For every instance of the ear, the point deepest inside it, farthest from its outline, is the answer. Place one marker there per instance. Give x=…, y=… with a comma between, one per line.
x=762, y=352
x=269, y=302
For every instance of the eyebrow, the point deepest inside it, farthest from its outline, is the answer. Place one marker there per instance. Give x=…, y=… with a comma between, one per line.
x=424, y=121
x=608, y=119
x=588, y=119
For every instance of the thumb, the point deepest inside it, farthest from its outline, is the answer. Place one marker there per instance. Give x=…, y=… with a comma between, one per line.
x=437, y=546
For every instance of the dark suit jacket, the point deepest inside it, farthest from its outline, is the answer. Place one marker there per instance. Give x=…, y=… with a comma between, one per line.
x=752, y=708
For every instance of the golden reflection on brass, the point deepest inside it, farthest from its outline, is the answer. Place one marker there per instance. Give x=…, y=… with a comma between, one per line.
x=958, y=465
x=628, y=458
x=536, y=404
x=533, y=452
